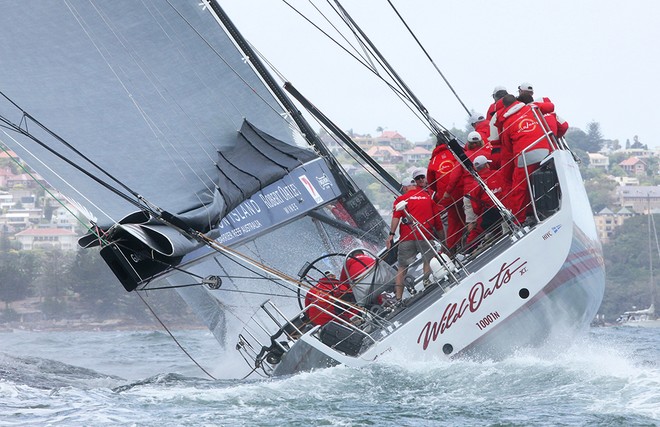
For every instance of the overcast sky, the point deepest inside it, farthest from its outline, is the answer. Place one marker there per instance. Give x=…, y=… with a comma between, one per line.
x=595, y=59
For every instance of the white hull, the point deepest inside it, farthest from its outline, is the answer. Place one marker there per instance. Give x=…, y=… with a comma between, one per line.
x=643, y=324
x=549, y=281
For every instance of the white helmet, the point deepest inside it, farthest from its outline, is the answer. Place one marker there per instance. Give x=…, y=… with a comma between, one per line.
x=474, y=137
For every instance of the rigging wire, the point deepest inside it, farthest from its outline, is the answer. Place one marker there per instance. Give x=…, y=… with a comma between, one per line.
x=20, y=130
x=428, y=56
x=363, y=61
x=161, y=288
x=174, y=338
x=84, y=224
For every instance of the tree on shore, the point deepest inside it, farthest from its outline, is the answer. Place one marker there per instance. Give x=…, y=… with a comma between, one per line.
x=627, y=265
x=594, y=138
x=17, y=271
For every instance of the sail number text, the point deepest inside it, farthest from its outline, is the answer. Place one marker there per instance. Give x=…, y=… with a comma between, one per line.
x=483, y=323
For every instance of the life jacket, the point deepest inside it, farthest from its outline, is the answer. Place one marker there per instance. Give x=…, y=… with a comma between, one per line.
x=548, y=109
x=480, y=200
x=423, y=209
x=467, y=182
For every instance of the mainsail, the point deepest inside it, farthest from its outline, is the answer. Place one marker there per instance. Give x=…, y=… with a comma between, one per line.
x=149, y=91
x=148, y=117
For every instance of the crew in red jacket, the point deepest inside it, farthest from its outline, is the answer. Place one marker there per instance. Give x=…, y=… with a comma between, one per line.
x=558, y=125
x=357, y=263
x=425, y=213
x=498, y=93
x=524, y=144
x=495, y=128
x=442, y=163
x=482, y=204
x=481, y=125
x=320, y=298
x=462, y=179
x=329, y=296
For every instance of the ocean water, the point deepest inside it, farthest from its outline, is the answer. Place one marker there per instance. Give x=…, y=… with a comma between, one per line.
x=610, y=377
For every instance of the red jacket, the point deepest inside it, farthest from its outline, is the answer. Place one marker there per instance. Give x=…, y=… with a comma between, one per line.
x=495, y=123
x=440, y=166
x=558, y=125
x=421, y=207
x=356, y=264
x=562, y=126
x=521, y=129
x=483, y=127
x=548, y=109
x=478, y=197
x=324, y=296
x=460, y=177
x=320, y=295
x=491, y=110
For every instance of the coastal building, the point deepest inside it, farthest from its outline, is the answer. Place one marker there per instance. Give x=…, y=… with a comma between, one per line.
x=634, y=166
x=6, y=200
x=16, y=219
x=640, y=153
x=393, y=139
x=365, y=142
x=385, y=154
x=624, y=180
x=639, y=198
x=35, y=238
x=429, y=144
x=416, y=155
x=598, y=161
x=607, y=221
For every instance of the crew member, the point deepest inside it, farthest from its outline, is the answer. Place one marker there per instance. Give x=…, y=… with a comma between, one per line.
x=319, y=299
x=442, y=163
x=494, y=126
x=481, y=125
x=461, y=178
x=482, y=205
x=524, y=145
x=327, y=298
x=356, y=264
x=426, y=225
x=557, y=125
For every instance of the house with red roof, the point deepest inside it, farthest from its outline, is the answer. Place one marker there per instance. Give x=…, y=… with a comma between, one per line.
x=634, y=166
x=385, y=154
x=394, y=139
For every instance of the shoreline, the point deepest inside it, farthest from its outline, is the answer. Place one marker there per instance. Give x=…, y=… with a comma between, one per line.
x=92, y=326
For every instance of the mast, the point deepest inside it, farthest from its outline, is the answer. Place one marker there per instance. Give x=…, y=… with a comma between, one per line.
x=652, y=232
x=389, y=179
x=308, y=133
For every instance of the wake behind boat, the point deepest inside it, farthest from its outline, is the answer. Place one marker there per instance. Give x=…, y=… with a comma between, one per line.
x=172, y=136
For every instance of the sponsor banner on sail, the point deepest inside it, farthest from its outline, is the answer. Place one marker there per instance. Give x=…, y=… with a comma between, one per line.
x=303, y=189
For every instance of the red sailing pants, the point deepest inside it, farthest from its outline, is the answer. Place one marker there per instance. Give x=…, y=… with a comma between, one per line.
x=518, y=199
